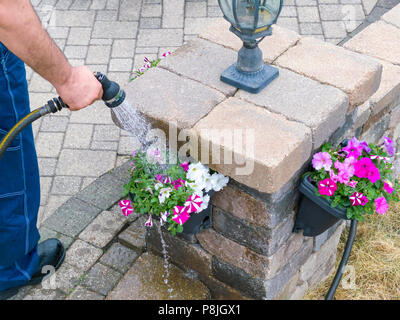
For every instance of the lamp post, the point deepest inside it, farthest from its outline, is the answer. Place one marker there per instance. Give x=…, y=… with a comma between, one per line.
x=250, y=20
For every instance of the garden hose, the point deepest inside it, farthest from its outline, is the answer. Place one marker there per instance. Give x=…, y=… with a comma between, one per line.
x=113, y=96
x=343, y=262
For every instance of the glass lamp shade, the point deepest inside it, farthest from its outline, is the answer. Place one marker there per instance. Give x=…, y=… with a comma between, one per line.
x=251, y=16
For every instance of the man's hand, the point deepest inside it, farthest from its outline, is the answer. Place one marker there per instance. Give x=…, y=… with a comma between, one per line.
x=21, y=31
x=80, y=89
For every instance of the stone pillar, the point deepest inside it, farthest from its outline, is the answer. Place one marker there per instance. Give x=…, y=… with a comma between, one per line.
x=265, y=142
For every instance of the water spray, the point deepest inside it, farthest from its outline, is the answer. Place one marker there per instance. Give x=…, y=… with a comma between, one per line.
x=113, y=96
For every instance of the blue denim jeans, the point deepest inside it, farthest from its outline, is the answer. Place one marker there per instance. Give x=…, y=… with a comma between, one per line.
x=19, y=179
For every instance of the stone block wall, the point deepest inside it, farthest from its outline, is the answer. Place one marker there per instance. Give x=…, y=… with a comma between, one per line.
x=324, y=92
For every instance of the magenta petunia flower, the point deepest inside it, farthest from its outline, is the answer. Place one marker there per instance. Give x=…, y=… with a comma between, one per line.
x=354, y=148
x=181, y=215
x=185, y=166
x=160, y=178
x=178, y=183
x=322, y=160
x=327, y=187
x=387, y=186
x=381, y=205
x=126, y=207
x=193, y=203
x=362, y=167
x=373, y=174
x=358, y=198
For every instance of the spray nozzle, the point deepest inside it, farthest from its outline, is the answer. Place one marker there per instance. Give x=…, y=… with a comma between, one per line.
x=113, y=95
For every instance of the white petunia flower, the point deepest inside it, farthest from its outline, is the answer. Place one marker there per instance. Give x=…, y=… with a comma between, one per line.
x=196, y=171
x=219, y=181
x=164, y=194
x=204, y=205
x=158, y=185
x=197, y=187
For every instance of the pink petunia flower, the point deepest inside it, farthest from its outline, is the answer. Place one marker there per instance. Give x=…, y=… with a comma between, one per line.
x=126, y=207
x=178, y=183
x=352, y=183
x=193, y=203
x=354, y=148
x=322, y=160
x=381, y=205
x=358, y=198
x=327, y=187
x=181, y=215
x=387, y=186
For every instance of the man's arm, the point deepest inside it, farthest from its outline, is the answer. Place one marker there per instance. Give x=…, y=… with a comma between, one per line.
x=22, y=33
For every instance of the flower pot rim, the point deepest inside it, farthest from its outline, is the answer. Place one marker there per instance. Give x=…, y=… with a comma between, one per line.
x=307, y=189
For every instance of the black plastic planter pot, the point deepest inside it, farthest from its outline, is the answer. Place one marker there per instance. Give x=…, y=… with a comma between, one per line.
x=196, y=223
x=315, y=214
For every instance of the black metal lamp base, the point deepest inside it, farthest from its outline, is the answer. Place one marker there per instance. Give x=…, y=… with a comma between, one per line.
x=252, y=82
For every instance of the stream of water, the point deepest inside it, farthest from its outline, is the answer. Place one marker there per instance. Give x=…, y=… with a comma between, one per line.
x=132, y=121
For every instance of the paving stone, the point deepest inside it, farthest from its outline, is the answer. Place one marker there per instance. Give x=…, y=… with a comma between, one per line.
x=82, y=255
x=65, y=278
x=103, y=228
x=98, y=54
x=79, y=36
x=276, y=156
x=101, y=279
x=187, y=101
x=160, y=37
x=81, y=293
x=66, y=185
x=47, y=166
x=135, y=235
x=173, y=14
x=44, y=294
x=72, y=217
x=129, y=10
x=389, y=88
x=120, y=64
x=385, y=46
x=301, y=99
x=357, y=75
x=393, y=16
x=46, y=233
x=202, y=61
x=106, y=133
x=145, y=281
x=272, y=46
x=115, y=29
x=78, y=136
x=72, y=18
x=119, y=257
x=103, y=192
x=95, y=163
x=123, y=48
x=49, y=144
x=97, y=113
x=54, y=124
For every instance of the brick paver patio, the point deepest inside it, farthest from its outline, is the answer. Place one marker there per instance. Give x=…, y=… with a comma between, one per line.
x=113, y=37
